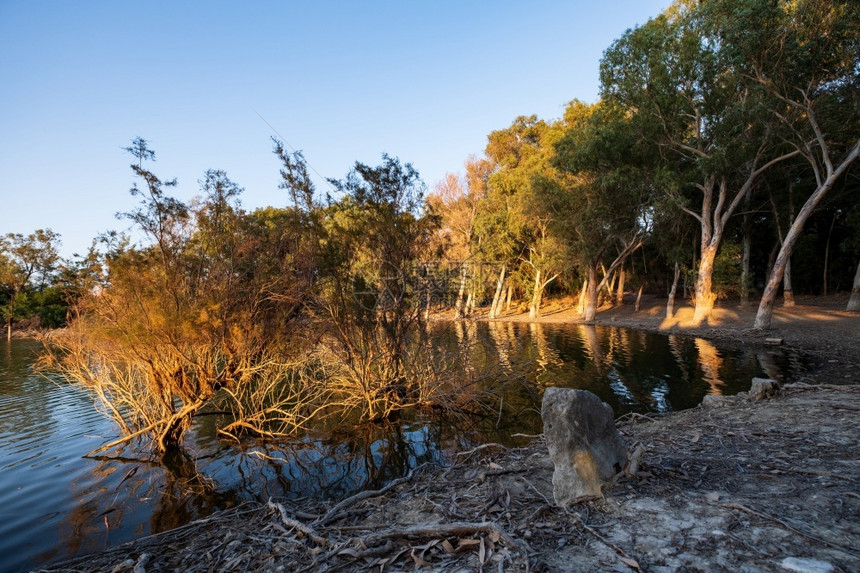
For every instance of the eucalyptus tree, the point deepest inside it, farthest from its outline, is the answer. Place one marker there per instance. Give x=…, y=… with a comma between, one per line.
x=603, y=195
x=456, y=200
x=675, y=75
x=513, y=218
x=805, y=58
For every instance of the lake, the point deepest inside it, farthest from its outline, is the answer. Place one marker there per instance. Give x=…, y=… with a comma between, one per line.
x=54, y=503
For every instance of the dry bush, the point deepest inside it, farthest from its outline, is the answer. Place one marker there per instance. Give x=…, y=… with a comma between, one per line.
x=372, y=381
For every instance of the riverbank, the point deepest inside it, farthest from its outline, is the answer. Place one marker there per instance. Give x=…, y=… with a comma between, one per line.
x=739, y=487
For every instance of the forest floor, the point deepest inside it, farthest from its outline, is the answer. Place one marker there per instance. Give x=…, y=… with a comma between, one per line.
x=735, y=486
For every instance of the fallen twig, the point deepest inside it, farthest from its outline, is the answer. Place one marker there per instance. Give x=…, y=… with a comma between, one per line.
x=456, y=529
x=481, y=447
x=335, y=511
x=298, y=525
x=626, y=559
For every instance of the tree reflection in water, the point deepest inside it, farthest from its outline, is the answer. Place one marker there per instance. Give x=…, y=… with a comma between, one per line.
x=632, y=371
x=176, y=492
x=710, y=361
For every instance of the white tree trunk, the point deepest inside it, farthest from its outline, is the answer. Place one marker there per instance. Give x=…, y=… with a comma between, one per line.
x=458, y=307
x=496, y=306
x=619, y=294
x=590, y=310
x=765, y=306
x=787, y=293
x=670, y=305
x=580, y=306
x=705, y=296
x=534, y=307
x=854, y=301
x=747, y=251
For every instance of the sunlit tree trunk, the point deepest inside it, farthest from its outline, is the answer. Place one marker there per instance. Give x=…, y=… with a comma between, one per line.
x=639, y=297
x=580, y=305
x=590, y=308
x=619, y=294
x=508, y=295
x=496, y=306
x=705, y=296
x=458, y=306
x=534, y=307
x=670, y=305
x=854, y=301
x=765, y=308
x=11, y=315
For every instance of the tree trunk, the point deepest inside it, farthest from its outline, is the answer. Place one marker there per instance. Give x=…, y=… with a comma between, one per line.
x=670, y=305
x=705, y=296
x=765, y=306
x=508, y=295
x=590, y=310
x=619, y=294
x=580, y=306
x=496, y=306
x=639, y=297
x=458, y=306
x=11, y=315
x=747, y=250
x=854, y=301
x=827, y=255
x=787, y=294
x=610, y=286
x=534, y=307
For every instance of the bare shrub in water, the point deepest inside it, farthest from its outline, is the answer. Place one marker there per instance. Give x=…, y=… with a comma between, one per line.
x=211, y=306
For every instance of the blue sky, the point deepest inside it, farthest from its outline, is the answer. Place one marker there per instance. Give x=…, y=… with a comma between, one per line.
x=342, y=81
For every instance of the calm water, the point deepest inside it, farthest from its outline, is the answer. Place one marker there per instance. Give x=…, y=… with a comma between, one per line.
x=54, y=503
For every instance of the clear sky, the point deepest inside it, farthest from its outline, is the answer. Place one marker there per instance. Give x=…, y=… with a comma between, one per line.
x=342, y=81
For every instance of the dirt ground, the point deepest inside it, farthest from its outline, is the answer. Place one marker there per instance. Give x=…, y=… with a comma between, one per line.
x=734, y=486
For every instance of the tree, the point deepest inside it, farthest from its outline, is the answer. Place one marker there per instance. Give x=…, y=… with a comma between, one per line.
x=513, y=214
x=191, y=316
x=676, y=77
x=455, y=201
x=26, y=262
x=370, y=296
x=603, y=199
x=804, y=57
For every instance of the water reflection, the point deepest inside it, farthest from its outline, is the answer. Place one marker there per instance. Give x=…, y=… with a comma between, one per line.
x=55, y=504
x=710, y=361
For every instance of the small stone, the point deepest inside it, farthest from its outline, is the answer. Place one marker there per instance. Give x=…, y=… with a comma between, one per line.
x=763, y=388
x=806, y=565
x=583, y=443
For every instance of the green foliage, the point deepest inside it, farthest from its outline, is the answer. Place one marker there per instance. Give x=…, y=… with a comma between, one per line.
x=28, y=270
